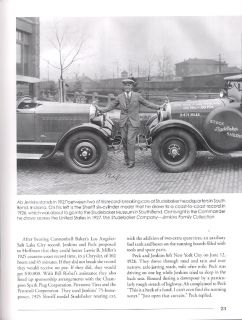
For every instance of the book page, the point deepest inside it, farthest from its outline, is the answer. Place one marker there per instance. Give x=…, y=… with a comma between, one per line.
x=87, y=229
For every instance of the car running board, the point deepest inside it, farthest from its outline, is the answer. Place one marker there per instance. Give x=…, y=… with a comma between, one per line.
x=34, y=156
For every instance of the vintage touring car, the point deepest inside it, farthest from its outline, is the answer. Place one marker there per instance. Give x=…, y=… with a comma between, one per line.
x=182, y=128
x=174, y=134
x=44, y=127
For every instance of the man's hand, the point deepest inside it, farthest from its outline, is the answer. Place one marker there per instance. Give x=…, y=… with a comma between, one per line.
x=99, y=109
x=163, y=106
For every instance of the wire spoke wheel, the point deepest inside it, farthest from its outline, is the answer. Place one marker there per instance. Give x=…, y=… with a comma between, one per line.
x=85, y=152
x=174, y=150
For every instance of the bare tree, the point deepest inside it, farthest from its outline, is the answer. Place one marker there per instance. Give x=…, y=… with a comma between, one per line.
x=69, y=45
x=165, y=64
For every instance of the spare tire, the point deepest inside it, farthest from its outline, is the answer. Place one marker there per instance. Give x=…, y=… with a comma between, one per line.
x=223, y=129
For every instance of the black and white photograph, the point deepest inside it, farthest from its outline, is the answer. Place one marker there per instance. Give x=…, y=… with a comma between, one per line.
x=129, y=104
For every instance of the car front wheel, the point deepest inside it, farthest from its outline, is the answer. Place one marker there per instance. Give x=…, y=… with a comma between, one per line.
x=174, y=150
x=85, y=152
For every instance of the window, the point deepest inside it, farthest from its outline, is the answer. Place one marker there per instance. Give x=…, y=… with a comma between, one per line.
x=22, y=37
x=22, y=52
x=25, y=38
x=19, y=35
x=26, y=59
x=18, y=53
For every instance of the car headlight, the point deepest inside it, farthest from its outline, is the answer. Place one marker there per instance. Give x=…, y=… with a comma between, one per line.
x=165, y=112
x=94, y=118
x=222, y=93
x=168, y=110
x=92, y=112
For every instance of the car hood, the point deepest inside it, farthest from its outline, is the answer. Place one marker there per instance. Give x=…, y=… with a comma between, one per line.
x=63, y=108
x=197, y=105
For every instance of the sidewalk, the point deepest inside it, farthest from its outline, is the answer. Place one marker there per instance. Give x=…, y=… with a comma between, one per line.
x=208, y=175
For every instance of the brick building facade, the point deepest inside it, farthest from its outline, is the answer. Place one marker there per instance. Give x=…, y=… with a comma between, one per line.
x=196, y=66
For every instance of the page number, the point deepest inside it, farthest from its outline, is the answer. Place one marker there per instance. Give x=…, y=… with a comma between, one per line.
x=222, y=308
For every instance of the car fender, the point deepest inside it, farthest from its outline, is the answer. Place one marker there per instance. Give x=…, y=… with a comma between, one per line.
x=180, y=124
x=84, y=127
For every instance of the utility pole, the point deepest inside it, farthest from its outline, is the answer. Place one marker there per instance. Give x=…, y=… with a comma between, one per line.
x=130, y=69
x=219, y=63
x=116, y=69
x=241, y=56
x=148, y=95
x=48, y=70
x=241, y=72
x=118, y=75
x=113, y=77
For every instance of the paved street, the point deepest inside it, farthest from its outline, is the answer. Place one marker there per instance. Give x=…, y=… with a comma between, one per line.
x=208, y=175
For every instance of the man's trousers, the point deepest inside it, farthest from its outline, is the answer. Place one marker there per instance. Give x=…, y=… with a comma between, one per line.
x=128, y=134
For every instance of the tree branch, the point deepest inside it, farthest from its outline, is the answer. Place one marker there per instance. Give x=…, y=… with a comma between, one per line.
x=68, y=53
x=75, y=47
x=74, y=58
x=52, y=65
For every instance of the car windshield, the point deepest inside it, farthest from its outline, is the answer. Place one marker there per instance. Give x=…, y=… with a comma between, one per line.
x=26, y=103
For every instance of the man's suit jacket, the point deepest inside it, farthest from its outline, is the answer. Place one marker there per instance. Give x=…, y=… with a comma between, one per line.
x=130, y=108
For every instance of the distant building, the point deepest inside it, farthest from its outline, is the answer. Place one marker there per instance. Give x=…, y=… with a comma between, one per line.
x=86, y=82
x=82, y=83
x=199, y=66
x=233, y=70
x=27, y=55
x=210, y=82
x=124, y=74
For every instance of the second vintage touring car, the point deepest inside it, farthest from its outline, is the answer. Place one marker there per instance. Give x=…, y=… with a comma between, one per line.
x=184, y=127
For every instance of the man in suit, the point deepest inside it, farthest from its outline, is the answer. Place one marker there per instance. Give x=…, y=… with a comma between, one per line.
x=129, y=104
